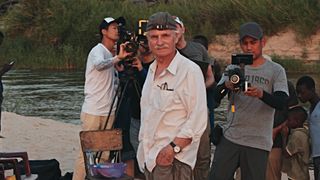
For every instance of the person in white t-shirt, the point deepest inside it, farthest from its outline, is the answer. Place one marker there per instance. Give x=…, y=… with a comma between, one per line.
x=99, y=88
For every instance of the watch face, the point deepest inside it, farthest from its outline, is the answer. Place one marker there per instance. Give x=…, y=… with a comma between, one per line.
x=176, y=149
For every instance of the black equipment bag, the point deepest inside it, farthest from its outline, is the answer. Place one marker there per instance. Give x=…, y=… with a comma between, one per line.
x=45, y=169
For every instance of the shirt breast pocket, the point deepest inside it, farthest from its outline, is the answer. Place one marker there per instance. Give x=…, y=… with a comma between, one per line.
x=163, y=100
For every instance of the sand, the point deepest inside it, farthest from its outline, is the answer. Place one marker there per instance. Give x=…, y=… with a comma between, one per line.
x=285, y=44
x=44, y=139
x=41, y=138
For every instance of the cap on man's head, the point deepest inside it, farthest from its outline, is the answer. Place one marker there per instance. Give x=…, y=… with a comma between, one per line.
x=178, y=20
x=161, y=21
x=108, y=20
x=251, y=29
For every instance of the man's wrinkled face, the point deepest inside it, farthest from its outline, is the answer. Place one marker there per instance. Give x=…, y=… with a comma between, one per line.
x=162, y=42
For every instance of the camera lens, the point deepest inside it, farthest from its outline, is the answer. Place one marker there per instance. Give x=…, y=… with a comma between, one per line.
x=234, y=79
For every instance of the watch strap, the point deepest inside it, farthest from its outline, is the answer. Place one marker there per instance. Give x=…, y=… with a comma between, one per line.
x=172, y=144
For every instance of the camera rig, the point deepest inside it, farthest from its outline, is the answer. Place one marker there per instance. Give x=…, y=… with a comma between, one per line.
x=133, y=40
x=237, y=75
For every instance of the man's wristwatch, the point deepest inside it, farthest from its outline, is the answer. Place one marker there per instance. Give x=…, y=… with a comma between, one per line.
x=175, y=147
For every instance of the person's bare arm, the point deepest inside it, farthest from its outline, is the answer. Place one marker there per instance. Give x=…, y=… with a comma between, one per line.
x=5, y=68
x=209, y=77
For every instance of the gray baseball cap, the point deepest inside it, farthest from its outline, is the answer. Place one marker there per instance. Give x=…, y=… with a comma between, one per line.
x=251, y=29
x=161, y=21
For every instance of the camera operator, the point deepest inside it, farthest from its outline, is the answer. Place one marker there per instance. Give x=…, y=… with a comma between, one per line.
x=99, y=88
x=247, y=135
x=133, y=73
x=196, y=52
x=142, y=63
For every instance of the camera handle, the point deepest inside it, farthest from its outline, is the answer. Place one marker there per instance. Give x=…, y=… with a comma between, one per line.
x=233, y=109
x=242, y=67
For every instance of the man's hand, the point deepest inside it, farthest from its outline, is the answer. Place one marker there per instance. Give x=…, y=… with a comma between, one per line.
x=137, y=64
x=229, y=85
x=122, y=53
x=165, y=156
x=278, y=129
x=119, y=67
x=254, y=92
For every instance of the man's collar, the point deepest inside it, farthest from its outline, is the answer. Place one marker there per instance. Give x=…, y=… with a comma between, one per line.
x=173, y=66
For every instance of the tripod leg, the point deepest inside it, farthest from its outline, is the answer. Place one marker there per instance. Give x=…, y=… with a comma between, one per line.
x=120, y=91
x=112, y=104
x=123, y=90
x=137, y=87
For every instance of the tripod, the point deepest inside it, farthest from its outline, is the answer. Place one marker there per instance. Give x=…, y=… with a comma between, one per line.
x=128, y=81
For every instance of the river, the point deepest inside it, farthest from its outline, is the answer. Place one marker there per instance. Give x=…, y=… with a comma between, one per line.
x=59, y=95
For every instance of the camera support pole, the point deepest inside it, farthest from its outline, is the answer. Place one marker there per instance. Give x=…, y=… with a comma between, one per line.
x=120, y=92
x=242, y=67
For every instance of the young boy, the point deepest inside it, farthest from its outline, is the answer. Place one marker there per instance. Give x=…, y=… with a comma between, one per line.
x=296, y=158
x=306, y=91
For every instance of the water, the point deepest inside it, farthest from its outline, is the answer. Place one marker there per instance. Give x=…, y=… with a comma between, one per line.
x=52, y=95
x=59, y=95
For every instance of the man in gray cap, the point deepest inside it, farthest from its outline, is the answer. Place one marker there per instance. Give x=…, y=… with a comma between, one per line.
x=173, y=107
x=196, y=52
x=247, y=135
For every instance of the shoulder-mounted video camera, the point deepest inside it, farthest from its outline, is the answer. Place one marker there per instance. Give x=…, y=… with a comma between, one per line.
x=237, y=74
x=133, y=40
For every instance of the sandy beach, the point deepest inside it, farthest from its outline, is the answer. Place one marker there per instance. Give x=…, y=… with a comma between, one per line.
x=45, y=139
x=41, y=138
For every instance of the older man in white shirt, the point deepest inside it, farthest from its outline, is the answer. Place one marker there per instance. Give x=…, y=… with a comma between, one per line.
x=173, y=107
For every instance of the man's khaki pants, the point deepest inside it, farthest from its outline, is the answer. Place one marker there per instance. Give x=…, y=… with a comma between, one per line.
x=90, y=122
x=176, y=171
x=274, y=164
x=202, y=167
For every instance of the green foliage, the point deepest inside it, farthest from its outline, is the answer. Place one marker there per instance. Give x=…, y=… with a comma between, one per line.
x=293, y=65
x=59, y=33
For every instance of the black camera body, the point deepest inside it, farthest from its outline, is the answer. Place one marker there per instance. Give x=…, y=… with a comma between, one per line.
x=132, y=41
x=237, y=75
x=127, y=37
x=237, y=78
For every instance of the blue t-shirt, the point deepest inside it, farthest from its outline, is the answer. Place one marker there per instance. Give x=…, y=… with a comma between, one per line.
x=314, y=125
x=1, y=88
